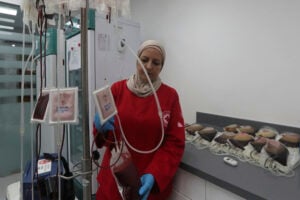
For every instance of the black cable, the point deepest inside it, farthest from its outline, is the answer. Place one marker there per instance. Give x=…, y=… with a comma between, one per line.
x=45, y=46
x=61, y=147
x=36, y=174
x=64, y=164
x=40, y=24
x=38, y=128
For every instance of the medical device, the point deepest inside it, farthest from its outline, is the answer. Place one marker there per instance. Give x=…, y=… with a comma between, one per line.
x=45, y=178
x=48, y=76
x=230, y=161
x=42, y=14
x=106, y=64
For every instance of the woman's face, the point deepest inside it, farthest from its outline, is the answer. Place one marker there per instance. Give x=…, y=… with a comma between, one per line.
x=152, y=60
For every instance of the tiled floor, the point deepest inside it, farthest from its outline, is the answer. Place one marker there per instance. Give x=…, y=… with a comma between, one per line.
x=5, y=181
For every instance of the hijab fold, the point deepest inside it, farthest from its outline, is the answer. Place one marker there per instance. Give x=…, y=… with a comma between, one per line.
x=141, y=89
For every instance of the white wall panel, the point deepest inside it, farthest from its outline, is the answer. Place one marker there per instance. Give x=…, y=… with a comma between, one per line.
x=234, y=58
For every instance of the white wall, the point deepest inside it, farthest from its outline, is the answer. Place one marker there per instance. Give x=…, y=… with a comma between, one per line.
x=239, y=58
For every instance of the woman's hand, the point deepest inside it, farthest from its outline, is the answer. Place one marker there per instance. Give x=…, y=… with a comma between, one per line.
x=147, y=181
x=107, y=126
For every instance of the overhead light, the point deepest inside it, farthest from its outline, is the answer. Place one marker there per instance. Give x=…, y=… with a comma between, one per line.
x=75, y=24
x=7, y=20
x=6, y=27
x=8, y=11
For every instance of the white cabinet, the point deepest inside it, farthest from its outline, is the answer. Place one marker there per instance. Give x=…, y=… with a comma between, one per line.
x=177, y=195
x=214, y=192
x=188, y=186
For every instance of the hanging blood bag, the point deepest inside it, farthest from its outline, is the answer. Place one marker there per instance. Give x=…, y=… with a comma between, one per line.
x=125, y=173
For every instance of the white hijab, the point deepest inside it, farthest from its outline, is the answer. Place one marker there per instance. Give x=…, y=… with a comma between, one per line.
x=134, y=83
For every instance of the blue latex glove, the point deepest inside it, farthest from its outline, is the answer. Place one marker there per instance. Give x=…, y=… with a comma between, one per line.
x=147, y=181
x=107, y=126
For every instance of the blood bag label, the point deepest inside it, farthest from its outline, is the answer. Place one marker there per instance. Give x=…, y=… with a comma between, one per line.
x=105, y=103
x=63, y=105
x=44, y=166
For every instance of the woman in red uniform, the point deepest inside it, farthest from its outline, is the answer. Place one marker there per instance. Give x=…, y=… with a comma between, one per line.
x=141, y=124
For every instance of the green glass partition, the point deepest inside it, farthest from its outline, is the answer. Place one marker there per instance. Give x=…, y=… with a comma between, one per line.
x=10, y=101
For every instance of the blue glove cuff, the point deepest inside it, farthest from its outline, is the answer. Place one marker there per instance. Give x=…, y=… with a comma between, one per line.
x=107, y=126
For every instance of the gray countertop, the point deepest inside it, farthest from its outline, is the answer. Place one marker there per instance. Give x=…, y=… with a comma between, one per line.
x=247, y=180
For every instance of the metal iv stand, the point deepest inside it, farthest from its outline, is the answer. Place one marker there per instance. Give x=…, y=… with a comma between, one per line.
x=86, y=161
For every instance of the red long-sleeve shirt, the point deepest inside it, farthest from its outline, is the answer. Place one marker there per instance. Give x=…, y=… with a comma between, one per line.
x=142, y=128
